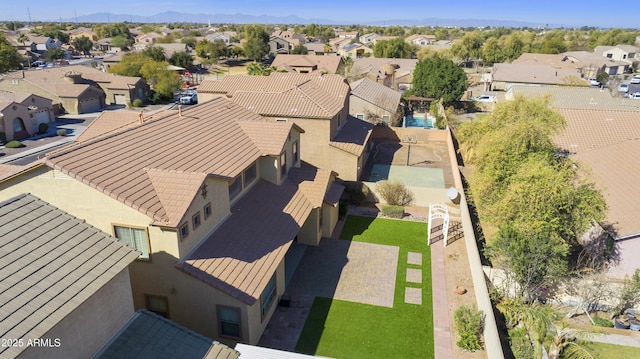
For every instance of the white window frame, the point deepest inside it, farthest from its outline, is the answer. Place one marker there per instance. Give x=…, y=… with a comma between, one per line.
x=132, y=236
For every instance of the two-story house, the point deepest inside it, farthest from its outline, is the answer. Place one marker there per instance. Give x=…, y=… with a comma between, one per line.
x=317, y=103
x=211, y=196
x=22, y=113
x=623, y=54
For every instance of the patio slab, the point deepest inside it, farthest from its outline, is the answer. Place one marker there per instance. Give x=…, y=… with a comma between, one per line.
x=413, y=295
x=414, y=275
x=414, y=258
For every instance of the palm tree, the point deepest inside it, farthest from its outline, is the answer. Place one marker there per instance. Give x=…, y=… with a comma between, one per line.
x=22, y=38
x=538, y=320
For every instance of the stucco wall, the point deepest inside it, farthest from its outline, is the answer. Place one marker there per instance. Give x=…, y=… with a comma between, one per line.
x=85, y=330
x=329, y=219
x=359, y=106
x=22, y=112
x=310, y=233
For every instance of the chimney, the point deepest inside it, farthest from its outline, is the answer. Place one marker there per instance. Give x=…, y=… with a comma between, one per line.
x=141, y=116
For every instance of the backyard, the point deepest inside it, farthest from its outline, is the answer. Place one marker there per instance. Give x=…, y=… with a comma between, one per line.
x=346, y=329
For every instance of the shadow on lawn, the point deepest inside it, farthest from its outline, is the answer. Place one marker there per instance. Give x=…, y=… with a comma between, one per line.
x=314, y=326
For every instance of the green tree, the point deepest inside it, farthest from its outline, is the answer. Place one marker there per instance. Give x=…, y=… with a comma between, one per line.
x=189, y=41
x=22, y=38
x=156, y=53
x=121, y=41
x=54, y=53
x=395, y=48
x=82, y=44
x=256, y=46
x=469, y=47
x=492, y=51
x=439, y=78
x=181, y=59
x=513, y=46
x=534, y=261
x=164, y=82
x=9, y=57
x=112, y=30
x=300, y=49
x=255, y=69
x=130, y=65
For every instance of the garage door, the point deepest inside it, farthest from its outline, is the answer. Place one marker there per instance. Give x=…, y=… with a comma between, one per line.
x=42, y=116
x=92, y=105
x=120, y=99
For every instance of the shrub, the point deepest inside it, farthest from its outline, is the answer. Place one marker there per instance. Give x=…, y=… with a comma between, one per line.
x=62, y=132
x=137, y=103
x=42, y=128
x=601, y=322
x=393, y=211
x=357, y=191
x=14, y=144
x=394, y=193
x=468, y=323
x=520, y=344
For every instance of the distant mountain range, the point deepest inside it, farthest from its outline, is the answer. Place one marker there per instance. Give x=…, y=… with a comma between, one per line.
x=173, y=17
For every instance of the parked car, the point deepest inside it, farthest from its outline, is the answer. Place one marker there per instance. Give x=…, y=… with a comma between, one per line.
x=635, y=79
x=38, y=63
x=594, y=82
x=623, y=88
x=635, y=96
x=485, y=98
x=189, y=98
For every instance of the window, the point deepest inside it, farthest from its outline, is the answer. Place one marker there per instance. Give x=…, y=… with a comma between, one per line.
x=268, y=294
x=360, y=116
x=229, y=322
x=294, y=149
x=283, y=163
x=18, y=126
x=158, y=305
x=250, y=174
x=235, y=187
x=196, y=220
x=609, y=55
x=134, y=238
x=207, y=211
x=184, y=231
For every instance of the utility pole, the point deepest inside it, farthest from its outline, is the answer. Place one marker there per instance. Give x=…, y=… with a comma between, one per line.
x=29, y=12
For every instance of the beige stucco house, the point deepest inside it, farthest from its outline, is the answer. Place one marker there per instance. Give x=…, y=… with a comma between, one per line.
x=305, y=64
x=65, y=282
x=77, y=89
x=21, y=114
x=373, y=102
x=319, y=104
x=212, y=197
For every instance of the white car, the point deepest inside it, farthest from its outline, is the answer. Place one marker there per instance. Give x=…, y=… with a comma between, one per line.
x=485, y=98
x=635, y=79
x=594, y=82
x=635, y=96
x=623, y=88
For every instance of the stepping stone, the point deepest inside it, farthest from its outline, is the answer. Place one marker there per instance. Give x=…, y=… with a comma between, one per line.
x=414, y=275
x=414, y=258
x=413, y=295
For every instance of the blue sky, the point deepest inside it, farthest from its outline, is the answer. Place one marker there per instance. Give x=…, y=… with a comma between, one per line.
x=569, y=13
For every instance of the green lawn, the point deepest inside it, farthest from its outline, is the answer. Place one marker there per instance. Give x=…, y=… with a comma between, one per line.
x=342, y=329
x=606, y=351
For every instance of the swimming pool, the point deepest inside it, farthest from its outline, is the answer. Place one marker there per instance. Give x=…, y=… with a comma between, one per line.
x=418, y=121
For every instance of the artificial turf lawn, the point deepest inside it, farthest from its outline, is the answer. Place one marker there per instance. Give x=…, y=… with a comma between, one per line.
x=606, y=351
x=342, y=329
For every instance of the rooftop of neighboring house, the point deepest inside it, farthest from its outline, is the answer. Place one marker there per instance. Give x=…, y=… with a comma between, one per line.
x=20, y=97
x=111, y=121
x=170, y=49
x=316, y=47
x=600, y=50
x=420, y=36
x=288, y=95
x=58, y=80
x=608, y=142
x=575, y=97
x=240, y=257
x=533, y=74
x=220, y=144
x=376, y=94
x=328, y=64
x=52, y=262
x=151, y=335
x=376, y=66
x=353, y=136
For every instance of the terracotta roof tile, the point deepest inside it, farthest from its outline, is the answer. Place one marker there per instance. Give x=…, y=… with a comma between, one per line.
x=376, y=94
x=580, y=98
x=353, y=135
x=534, y=74
x=51, y=263
x=109, y=121
x=284, y=94
x=176, y=191
x=334, y=193
x=206, y=139
x=240, y=257
x=330, y=64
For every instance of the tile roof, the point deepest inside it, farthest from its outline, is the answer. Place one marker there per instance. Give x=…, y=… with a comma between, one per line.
x=284, y=94
x=376, y=94
x=588, y=130
x=240, y=257
x=353, y=135
x=334, y=193
x=323, y=63
x=7, y=171
x=375, y=66
x=533, y=74
x=51, y=263
x=148, y=335
x=269, y=139
x=609, y=143
x=109, y=121
x=206, y=139
x=571, y=97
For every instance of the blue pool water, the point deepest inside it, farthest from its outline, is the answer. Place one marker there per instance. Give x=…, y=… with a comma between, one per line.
x=418, y=121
